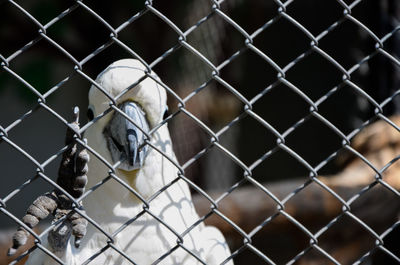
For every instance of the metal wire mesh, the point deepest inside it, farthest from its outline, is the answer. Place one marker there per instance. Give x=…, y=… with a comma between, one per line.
x=213, y=70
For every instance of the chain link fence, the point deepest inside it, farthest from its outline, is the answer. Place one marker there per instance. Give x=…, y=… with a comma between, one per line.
x=219, y=103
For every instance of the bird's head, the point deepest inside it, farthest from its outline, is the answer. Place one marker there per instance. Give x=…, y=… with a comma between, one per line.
x=144, y=104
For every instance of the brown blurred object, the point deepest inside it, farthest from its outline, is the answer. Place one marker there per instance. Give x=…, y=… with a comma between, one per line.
x=314, y=207
x=379, y=143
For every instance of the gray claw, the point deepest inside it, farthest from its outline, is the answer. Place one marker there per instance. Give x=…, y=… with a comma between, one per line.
x=77, y=242
x=11, y=251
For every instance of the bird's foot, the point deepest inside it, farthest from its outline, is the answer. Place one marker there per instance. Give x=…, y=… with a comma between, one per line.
x=72, y=178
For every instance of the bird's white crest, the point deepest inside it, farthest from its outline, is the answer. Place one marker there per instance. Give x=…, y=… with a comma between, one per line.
x=119, y=76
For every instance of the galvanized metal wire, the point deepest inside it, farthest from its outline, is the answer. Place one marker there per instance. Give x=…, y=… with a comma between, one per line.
x=182, y=43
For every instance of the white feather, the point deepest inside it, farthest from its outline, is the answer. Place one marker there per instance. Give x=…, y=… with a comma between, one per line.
x=146, y=239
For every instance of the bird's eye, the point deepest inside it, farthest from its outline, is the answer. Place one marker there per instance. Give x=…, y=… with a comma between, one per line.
x=166, y=114
x=90, y=114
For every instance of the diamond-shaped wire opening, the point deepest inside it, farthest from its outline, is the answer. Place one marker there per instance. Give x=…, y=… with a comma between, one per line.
x=366, y=12
x=372, y=77
x=26, y=90
x=190, y=73
x=107, y=183
x=314, y=76
x=15, y=175
x=92, y=67
x=248, y=256
x=191, y=236
x=185, y=14
x=311, y=255
x=377, y=197
x=216, y=103
x=59, y=49
x=216, y=39
x=237, y=235
x=343, y=51
x=387, y=253
x=242, y=74
x=381, y=134
x=13, y=111
x=358, y=173
x=187, y=78
x=324, y=14
x=225, y=108
x=312, y=147
x=201, y=103
x=108, y=249
x=216, y=170
x=192, y=137
x=389, y=180
x=282, y=35
x=176, y=78
x=116, y=14
x=322, y=205
x=279, y=165
x=337, y=106
x=260, y=138
x=24, y=195
x=260, y=13
x=38, y=71
x=199, y=169
x=17, y=29
x=277, y=100
x=283, y=246
x=253, y=193
x=147, y=222
x=137, y=34
x=75, y=90
x=27, y=141
x=23, y=152
x=69, y=33
x=44, y=10
x=185, y=234
x=350, y=243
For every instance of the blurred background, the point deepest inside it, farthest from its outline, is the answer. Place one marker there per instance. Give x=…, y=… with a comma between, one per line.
x=80, y=33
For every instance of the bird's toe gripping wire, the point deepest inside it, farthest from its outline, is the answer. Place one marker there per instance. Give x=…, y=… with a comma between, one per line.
x=72, y=177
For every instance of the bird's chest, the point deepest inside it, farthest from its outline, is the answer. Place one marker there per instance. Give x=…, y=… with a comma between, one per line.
x=145, y=235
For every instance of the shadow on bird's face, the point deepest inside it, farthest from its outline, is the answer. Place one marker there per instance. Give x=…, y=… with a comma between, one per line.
x=125, y=137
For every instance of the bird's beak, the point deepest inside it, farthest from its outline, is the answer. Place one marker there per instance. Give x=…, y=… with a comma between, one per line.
x=124, y=138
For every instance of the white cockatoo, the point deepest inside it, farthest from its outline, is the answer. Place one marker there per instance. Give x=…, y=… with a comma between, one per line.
x=146, y=240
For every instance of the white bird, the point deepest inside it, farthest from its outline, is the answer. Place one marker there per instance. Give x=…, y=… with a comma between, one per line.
x=146, y=240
